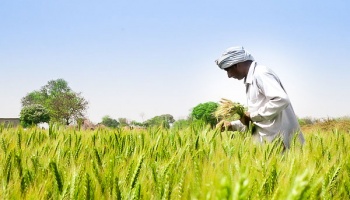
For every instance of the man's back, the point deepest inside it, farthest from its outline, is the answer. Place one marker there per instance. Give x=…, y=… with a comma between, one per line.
x=269, y=105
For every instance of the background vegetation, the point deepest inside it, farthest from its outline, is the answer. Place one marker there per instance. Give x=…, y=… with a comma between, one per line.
x=64, y=106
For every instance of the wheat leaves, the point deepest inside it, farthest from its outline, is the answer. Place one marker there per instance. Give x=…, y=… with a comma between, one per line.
x=197, y=163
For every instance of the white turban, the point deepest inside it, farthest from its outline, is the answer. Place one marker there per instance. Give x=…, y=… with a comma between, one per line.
x=233, y=55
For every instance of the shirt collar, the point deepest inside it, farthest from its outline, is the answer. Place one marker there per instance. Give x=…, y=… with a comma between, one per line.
x=249, y=78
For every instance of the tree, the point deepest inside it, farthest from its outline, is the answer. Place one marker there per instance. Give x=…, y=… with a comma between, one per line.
x=136, y=123
x=123, y=122
x=162, y=120
x=109, y=122
x=35, y=97
x=33, y=114
x=63, y=104
x=205, y=112
x=67, y=107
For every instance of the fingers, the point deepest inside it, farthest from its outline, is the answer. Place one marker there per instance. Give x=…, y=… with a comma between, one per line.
x=245, y=119
x=224, y=125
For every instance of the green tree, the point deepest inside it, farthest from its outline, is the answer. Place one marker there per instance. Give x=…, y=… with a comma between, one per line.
x=123, y=122
x=33, y=114
x=162, y=120
x=136, y=123
x=35, y=97
x=305, y=121
x=67, y=107
x=109, y=122
x=63, y=104
x=205, y=112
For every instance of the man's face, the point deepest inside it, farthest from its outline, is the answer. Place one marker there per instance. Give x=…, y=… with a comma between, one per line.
x=235, y=71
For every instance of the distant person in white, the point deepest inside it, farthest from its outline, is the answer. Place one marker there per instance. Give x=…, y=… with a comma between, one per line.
x=269, y=107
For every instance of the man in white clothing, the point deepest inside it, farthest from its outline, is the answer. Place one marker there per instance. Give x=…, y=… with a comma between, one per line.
x=269, y=107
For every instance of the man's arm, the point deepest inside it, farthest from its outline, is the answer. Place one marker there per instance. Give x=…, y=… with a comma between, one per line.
x=231, y=126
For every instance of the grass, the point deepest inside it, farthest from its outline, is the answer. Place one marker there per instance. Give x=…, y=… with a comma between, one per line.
x=194, y=163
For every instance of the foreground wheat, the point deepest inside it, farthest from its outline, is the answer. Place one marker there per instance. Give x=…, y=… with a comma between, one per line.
x=193, y=163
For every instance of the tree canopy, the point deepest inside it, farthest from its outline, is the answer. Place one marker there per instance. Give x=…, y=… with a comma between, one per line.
x=123, y=122
x=161, y=120
x=63, y=104
x=33, y=114
x=109, y=122
x=205, y=112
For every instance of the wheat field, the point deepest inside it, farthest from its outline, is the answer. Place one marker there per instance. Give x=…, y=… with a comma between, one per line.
x=193, y=163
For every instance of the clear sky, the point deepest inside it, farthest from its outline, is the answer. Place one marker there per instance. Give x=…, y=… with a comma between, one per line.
x=138, y=59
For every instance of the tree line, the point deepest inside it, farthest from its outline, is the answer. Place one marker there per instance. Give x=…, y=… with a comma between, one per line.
x=56, y=102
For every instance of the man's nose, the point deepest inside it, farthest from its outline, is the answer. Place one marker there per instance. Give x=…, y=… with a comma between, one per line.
x=229, y=74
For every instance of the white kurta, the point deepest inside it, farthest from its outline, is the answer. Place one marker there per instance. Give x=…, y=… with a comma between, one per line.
x=269, y=106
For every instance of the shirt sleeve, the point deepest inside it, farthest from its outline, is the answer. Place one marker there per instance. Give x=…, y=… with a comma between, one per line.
x=277, y=99
x=238, y=126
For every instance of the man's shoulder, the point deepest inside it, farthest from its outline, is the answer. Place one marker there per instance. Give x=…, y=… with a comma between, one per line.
x=261, y=69
x=262, y=72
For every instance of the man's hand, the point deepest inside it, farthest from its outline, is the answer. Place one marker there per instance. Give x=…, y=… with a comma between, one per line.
x=224, y=125
x=245, y=119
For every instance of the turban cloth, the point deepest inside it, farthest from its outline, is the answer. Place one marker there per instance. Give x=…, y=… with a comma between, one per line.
x=233, y=55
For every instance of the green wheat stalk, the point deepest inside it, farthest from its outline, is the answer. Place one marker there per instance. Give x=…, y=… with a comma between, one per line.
x=58, y=178
x=87, y=187
x=4, y=146
x=136, y=173
x=300, y=185
x=118, y=195
x=98, y=158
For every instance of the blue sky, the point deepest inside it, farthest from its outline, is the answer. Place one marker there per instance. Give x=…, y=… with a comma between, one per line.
x=140, y=59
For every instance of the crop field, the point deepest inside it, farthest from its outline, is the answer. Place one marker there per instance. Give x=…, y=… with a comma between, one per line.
x=193, y=163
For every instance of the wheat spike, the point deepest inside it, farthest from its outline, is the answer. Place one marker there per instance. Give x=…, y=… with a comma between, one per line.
x=228, y=110
x=136, y=174
x=57, y=175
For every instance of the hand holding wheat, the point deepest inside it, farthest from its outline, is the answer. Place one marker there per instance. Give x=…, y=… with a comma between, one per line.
x=228, y=111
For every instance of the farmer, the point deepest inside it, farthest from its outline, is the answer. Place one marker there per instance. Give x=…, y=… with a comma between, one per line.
x=269, y=107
